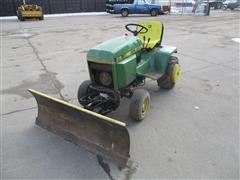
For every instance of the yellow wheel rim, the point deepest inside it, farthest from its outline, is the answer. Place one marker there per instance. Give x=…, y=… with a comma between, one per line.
x=176, y=72
x=145, y=106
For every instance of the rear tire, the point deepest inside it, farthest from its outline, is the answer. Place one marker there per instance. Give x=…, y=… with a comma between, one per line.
x=83, y=89
x=154, y=12
x=167, y=81
x=139, y=105
x=41, y=18
x=124, y=13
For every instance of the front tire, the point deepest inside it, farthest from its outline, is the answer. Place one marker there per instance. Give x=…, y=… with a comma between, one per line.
x=83, y=89
x=124, y=13
x=139, y=105
x=172, y=74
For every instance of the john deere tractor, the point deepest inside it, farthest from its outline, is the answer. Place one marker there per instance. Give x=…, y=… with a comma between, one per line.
x=118, y=66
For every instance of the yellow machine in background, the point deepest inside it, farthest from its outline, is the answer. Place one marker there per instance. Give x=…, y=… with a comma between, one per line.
x=27, y=11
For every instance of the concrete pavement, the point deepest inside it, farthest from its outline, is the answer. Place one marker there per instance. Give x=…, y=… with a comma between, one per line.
x=191, y=131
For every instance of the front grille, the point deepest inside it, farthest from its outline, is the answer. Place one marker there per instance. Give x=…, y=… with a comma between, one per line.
x=95, y=70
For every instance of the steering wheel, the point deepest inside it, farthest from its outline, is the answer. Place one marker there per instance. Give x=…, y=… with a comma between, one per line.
x=142, y=30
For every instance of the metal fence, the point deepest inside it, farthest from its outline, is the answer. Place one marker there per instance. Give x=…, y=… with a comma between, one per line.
x=9, y=7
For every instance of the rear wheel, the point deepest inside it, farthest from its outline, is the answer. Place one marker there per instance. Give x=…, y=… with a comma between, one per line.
x=139, y=105
x=172, y=74
x=154, y=12
x=124, y=13
x=41, y=18
x=83, y=89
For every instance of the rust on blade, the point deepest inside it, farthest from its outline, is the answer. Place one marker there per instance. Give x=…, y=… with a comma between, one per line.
x=99, y=134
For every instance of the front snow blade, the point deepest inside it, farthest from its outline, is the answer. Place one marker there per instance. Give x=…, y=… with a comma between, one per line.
x=99, y=134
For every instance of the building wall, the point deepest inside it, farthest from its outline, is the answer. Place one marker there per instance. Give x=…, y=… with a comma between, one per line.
x=9, y=7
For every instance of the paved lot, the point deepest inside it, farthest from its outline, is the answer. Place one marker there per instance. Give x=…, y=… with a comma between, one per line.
x=191, y=131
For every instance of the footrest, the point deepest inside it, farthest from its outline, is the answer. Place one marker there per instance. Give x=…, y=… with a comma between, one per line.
x=153, y=75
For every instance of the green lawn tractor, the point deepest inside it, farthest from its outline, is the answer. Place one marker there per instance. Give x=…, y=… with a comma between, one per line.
x=117, y=68
x=29, y=11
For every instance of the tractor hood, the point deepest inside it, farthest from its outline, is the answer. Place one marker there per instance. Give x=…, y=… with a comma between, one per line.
x=115, y=50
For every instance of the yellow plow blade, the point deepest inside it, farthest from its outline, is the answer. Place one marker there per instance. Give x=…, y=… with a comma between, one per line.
x=99, y=134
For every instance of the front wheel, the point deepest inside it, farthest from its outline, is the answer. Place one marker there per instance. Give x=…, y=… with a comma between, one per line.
x=124, y=13
x=139, y=105
x=172, y=74
x=83, y=89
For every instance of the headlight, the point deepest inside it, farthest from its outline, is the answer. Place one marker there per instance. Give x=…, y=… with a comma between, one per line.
x=105, y=78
